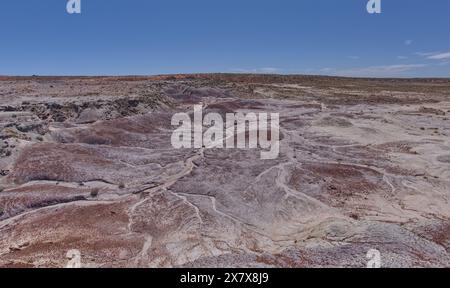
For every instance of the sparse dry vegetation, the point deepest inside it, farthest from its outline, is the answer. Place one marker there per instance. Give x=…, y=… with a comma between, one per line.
x=94, y=192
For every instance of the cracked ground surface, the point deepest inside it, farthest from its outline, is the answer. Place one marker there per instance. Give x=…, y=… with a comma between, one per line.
x=87, y=164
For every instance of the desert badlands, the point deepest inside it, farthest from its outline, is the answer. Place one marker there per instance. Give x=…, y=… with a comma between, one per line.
x=87, y=164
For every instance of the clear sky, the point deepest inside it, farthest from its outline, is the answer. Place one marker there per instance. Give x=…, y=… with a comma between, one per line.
x=144, y=37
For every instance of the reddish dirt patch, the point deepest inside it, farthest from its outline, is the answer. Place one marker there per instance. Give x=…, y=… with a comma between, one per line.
x=99, y=231
x=56, y=162
x=336, y=183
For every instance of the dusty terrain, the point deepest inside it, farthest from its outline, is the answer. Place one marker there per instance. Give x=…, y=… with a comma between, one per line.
x=87, y=164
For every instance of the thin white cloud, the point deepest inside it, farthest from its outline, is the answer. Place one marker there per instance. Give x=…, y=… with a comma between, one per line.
x=408, y=42
x=264, y=70
x=445, y=63
x=377, y=71
x=425, y=54
x=402, y=57
x=440, y=56
x=327, y=70
x=354, y=57
x=269, y=70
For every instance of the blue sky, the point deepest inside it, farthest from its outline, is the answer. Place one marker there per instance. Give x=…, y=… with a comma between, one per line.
x=144, y=37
